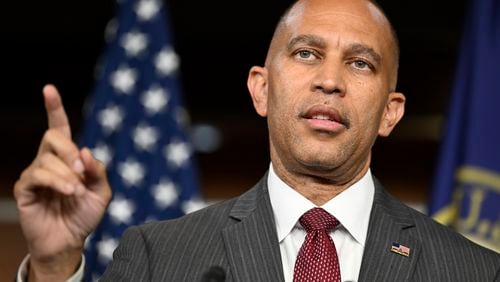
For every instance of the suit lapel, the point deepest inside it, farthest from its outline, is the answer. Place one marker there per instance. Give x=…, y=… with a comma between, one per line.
x=390, y=222
x=252, y=243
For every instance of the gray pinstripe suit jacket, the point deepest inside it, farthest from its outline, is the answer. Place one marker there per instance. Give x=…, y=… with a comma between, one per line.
x=239, y=235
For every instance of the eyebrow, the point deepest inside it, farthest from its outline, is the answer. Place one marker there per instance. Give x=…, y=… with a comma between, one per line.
x=352, y=49
x=311, y=40
x=360, y=49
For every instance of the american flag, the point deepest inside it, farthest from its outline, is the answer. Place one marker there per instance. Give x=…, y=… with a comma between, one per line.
x=400, y=249
x=136, y=127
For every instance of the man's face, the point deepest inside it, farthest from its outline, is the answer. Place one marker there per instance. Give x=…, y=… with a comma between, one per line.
x=327, y=87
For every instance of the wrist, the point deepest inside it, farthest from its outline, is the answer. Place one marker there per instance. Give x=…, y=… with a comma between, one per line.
x=56, y=268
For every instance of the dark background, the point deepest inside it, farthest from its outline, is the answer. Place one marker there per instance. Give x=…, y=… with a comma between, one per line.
x=218, y=41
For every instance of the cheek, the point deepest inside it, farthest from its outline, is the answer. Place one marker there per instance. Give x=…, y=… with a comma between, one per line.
x=369, y=107
x=374, y=118
x=283, y=112
x=280, y=111
x=283, y=98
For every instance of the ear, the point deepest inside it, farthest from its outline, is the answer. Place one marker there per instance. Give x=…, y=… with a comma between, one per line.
x=257, y=86
x=393, y=112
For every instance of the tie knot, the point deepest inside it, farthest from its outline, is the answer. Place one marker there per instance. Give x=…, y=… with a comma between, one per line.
x=318, y=219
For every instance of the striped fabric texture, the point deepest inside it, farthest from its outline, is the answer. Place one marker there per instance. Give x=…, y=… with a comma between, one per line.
x=239, y=236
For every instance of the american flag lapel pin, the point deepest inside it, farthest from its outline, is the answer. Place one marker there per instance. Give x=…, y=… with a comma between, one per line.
x=400, y=249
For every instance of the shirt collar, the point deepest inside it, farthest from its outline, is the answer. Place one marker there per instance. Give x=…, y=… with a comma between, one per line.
x=289, y=205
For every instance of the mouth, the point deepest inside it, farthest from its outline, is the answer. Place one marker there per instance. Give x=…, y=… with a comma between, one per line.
x=325, y=119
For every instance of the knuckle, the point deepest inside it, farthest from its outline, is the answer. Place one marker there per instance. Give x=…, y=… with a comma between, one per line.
x=18, y=187
x=25, y=173
x=70, y=152
x=35, y=175
x=50, y=134
x=48, y=141
x=26, y=176
x=21, y=183
x=45, y=159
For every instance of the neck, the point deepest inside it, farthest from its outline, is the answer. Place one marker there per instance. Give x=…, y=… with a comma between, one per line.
x=316, y=186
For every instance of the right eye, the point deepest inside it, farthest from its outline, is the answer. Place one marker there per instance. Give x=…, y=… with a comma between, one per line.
x=306, y=55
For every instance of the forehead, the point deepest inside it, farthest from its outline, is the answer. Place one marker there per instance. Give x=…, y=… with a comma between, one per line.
x=339, y=22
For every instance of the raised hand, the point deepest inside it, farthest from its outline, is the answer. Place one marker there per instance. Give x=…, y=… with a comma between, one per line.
x=61, y=197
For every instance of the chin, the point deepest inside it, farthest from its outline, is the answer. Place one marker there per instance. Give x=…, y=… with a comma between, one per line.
x=320, y=165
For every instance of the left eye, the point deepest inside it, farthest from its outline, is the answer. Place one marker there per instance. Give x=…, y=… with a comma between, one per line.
x=360, y=64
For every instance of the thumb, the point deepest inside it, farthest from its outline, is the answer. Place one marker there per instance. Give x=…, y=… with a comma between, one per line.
x=95, y=173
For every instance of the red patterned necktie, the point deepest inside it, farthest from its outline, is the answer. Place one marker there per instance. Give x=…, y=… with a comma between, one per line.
x=317, y=259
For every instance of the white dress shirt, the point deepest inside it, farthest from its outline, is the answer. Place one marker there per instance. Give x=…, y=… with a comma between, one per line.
x=351, y=207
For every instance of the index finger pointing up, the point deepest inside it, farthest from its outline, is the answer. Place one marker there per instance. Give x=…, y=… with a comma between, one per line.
x=55, y=111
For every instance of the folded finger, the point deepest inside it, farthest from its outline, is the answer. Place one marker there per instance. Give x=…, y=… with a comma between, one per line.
x=54, y=164
x=40, y=178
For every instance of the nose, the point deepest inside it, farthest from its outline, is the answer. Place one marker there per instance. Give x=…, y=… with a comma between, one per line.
x=329, y=79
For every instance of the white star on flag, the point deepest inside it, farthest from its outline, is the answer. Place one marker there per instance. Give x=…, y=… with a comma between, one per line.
x=193, y=205
x=105, y=249
x=177, y=153
x=103, y=153
x=167, y=61
x=145, y=137
x=165, y=193
x=110, y=118
x=132, y=172
x=155, y=99
x=134, y=43
x=147, y=9
x=121, y=210
x=123, y=79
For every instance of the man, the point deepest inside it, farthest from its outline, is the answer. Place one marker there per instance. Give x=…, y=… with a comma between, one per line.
x=327, y=90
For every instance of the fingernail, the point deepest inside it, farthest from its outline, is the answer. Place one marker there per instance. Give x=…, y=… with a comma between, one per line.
x=78, y=166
